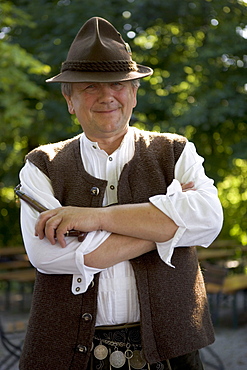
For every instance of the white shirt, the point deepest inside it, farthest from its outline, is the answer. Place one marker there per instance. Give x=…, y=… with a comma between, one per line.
x=198, y=215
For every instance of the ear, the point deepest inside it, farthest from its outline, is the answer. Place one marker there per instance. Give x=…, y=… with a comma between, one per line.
x=135, y=89
x=69, y=104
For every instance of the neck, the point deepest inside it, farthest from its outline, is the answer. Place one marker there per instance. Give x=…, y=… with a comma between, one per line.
x=110, y=144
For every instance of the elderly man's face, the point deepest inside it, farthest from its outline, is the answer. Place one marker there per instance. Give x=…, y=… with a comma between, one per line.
x=103, y=109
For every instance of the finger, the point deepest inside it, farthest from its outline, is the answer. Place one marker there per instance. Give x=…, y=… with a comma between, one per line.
x=60, y=236
x=60, y=233
x=52, y=228
x=41, y=222
x=188, y=186
x=57, y=228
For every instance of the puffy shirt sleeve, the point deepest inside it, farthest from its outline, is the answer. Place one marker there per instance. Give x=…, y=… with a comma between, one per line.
x=47, y=258
x=198, y=213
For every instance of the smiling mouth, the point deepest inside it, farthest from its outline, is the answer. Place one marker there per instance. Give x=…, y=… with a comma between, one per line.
x=107, y=111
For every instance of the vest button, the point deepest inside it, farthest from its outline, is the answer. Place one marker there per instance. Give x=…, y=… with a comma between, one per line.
x=79, y=280
x=87, y=317
x=94, y=191
x=81, y=348
x=77, y=289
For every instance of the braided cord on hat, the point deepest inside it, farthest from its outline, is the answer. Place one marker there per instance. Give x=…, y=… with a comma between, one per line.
x=100, y=66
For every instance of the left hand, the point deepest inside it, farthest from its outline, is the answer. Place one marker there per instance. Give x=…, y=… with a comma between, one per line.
x=56, y=222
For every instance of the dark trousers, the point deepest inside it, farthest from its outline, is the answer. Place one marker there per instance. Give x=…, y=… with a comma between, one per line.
x=191, y=361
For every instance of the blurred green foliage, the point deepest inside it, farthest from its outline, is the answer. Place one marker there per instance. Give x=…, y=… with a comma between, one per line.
x=233, y=195
x=197, y=49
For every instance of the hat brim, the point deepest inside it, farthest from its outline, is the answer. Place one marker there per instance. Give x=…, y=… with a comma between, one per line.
x=77, y=76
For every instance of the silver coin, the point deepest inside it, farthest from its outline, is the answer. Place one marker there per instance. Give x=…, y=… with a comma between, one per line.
x=137, y=361
x=117, y=359
x=100, y=352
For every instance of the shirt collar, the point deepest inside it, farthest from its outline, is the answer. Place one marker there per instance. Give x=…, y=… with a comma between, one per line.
x=93, y=145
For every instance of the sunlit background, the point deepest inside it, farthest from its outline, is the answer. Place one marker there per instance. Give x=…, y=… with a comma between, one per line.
x=198, y=52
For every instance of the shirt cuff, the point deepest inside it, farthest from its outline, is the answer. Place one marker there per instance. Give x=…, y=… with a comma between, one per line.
x=166, y=249
x=82, y=281
x=165, y=204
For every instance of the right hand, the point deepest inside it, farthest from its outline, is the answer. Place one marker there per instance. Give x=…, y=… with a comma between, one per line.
x=188, y=186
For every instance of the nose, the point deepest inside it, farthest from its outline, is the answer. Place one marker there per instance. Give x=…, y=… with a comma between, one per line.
x=105, y=94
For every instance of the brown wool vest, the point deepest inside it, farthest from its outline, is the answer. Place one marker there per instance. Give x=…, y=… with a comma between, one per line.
x=174, y=312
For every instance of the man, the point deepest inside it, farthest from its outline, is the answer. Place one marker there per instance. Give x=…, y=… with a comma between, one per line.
x=131, y=295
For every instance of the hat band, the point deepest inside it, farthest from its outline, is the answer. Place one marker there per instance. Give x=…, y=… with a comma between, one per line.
x=100, y=66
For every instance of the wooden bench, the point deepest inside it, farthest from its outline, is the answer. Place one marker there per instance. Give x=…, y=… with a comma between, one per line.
x=212, y=253
x=13, y=265
x=22, y=276
x=15, y=270
x=12, y=251
x=220, y=284
x=220, y=250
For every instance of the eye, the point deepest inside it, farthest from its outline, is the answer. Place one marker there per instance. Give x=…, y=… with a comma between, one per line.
x=117, y=86
x=90, y=87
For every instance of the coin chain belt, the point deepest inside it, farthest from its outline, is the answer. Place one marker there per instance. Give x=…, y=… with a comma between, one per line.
x=117, y=358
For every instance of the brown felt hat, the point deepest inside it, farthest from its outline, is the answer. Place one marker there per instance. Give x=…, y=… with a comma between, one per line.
x=99, y=54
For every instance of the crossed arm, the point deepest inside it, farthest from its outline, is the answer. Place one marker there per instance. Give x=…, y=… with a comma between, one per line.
x=197, y=219
x=134, y=229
